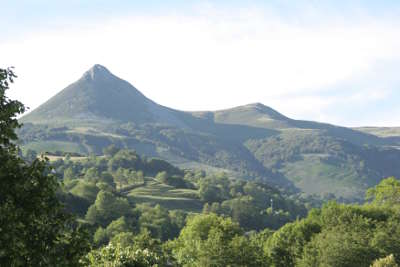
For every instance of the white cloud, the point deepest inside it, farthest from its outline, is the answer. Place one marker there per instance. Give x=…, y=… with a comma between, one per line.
x=211, y=60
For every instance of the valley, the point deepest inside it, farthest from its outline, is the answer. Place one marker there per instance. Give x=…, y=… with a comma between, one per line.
x=250, y=142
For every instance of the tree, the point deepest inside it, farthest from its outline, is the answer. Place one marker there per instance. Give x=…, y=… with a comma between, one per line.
x=287, y=244
x=210, y=240
x=209, y=192
x=162, y=177
x=143, y=240
x=111, y=150
x=117, y=226
x=117, y=255
x=244, y=211
x=386, y=193
x=69, y=174
x=107, y=208
x=157, y=221
x=100, y=236
x=388, y=261
x=34, y=228
x=92, y=174
x=107, y=178
x=126, y=159
x=337, y=235
x=340, y=247
x=30, y=155
x=9, y=109
x=85, y=190
x=127, y=249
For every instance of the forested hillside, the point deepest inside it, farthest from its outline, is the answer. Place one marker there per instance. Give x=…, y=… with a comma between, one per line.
x=123, y=209
x=152, y=185
x=146, y=212
x=252, y=141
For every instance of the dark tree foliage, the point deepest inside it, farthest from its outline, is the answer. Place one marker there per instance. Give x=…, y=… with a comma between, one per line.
x=8, y=110
x=34, y=228
x=337, y=235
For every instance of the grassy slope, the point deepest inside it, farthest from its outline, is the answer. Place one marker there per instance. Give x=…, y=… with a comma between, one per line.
x=309, y=174
x=166, y=196
x=314, y=176
x=381, y=131
x=249, y=140
x=55, y=145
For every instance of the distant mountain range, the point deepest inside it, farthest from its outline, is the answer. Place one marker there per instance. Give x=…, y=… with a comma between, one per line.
x=251, y=141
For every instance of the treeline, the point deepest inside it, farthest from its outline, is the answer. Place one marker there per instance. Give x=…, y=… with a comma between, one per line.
x=97, y=189
x=238, y=226
x=336, y=235
x=243, y=223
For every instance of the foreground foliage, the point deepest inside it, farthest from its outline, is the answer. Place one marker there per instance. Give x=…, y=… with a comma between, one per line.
x=237, y=226
x=340, y=235
x=34, y=228
x=119, y=256
x=388, y=261
x=209, y=240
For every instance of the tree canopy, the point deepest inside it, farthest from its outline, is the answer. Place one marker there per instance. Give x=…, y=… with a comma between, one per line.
x=35, y=230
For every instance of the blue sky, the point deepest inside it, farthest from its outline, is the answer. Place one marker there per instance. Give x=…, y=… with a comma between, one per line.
x=28, y=13
x=332, y=61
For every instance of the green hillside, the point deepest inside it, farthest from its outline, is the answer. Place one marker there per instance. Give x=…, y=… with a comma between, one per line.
x=169, y=197
x=318, y=163
x=144, y=182
x=252, y=141
x=381, y=131
x=390, y=134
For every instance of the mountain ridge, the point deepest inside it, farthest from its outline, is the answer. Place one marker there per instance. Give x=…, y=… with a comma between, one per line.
x=100, y=74
x=252, y=141
x=99, y=95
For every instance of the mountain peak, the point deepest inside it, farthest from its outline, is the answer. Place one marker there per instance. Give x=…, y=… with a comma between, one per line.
x=259, y=107
x=254, y=114
x=255, y=105
x=97, y=71
x=97, y=95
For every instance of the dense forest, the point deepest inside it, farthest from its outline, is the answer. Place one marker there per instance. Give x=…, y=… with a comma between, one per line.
x=123, y=209
x=241, y=223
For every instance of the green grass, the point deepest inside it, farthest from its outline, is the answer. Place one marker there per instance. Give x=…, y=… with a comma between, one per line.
x=154, y=192
x=381, y=131
x=314, y=176
x=194, y=165
x=53, y=146
x=85, y=190
x=93, y=131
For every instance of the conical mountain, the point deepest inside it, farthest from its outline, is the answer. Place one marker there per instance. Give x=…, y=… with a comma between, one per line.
x=99, y=96
x=253, y=140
